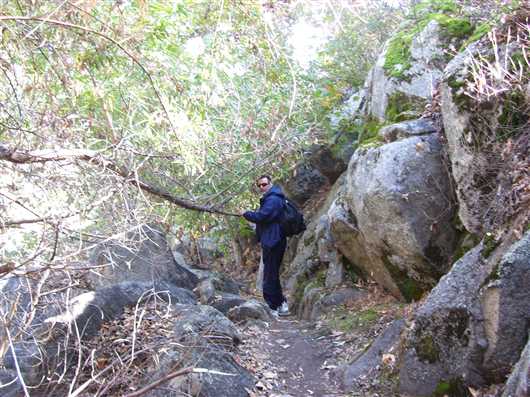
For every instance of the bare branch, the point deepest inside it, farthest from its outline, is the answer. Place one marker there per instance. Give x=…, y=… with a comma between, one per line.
x=19, y=156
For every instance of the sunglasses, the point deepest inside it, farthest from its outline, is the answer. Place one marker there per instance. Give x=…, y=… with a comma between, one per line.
x=263, y=184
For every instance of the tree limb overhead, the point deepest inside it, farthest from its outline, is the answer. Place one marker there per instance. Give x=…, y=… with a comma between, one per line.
x=19, y=156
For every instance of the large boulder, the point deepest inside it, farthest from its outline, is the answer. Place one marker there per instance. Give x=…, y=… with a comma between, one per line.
x=316, y=258
x=313, y=255
x=474, y=324
x=88, y=311
x=319, y=301
x=144, y=257
x=85, y=313
x=395, y=219
x=217, y=373
x=205, y=320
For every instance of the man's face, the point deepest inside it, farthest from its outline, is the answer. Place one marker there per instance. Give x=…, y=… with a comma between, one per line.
x=264, y=185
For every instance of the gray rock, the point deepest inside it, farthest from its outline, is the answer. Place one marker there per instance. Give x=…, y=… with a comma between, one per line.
x=396, y=219
x=346, y=236
x=369, y=363
x=518, y=384
x=305, y=182
x=229, y=379
x=329, y=254
x=206, y=291
x=349, y=109
x=335, y=275
x=322, y=301
x=329, y=165
x=415, y=89
x=9, y=384
x=308, y=309
x=225, y=301
x=406, y=129
x=215, y=284
x=474, y=323
x=27, y=323
x=86, y=312
x=144, y=257
x=306, y=262
x=250, y=310
x=506, y=307
x=92, y=309
x=447, y=340
x=206, y=321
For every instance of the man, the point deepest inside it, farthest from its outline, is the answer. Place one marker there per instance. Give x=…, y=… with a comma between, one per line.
x=272, y=240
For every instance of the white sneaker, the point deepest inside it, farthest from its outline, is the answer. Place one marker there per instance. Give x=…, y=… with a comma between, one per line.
x=274, y=313
x=283, y=310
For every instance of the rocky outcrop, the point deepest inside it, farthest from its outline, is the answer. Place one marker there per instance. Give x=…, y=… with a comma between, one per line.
x=473, y=325
x=399, y=88
x=394, y=220
x=323, y=159
x=518, y=384
x=192, y=320
x=315, y=256
x=472, y=126
x=506, y=306
x=143, y=256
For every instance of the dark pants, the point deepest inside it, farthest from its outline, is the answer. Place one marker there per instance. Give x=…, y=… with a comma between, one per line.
x=272, y=259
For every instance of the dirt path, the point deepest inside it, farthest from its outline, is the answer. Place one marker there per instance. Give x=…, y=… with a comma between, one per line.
x=292, y=359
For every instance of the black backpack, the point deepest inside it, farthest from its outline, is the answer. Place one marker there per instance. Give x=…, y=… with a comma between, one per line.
x=292, y=220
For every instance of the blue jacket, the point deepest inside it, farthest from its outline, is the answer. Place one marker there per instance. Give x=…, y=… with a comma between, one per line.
x=267, y=217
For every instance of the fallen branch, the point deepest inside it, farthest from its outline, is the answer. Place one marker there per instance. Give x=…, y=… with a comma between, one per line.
x=19, y=156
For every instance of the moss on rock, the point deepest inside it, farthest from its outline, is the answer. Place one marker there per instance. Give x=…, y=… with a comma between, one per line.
x=452, y=387
x=398, y=57
x=454, y=27
x=490, y=243
x=402, y=107
x=427, y=350
x=346, y=321
x=411, y=289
